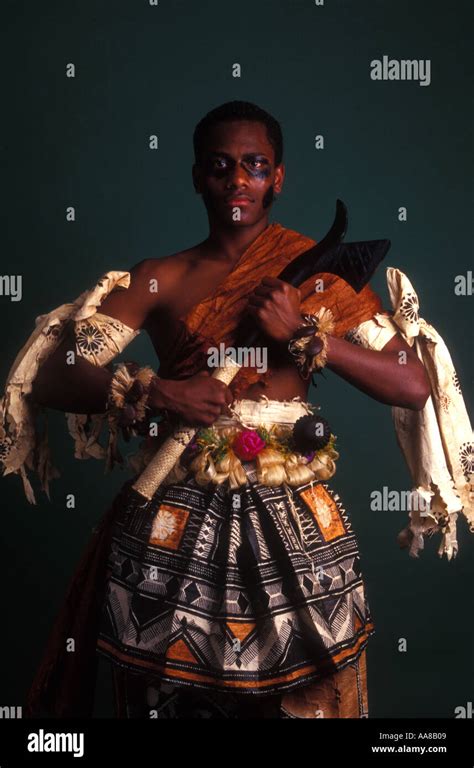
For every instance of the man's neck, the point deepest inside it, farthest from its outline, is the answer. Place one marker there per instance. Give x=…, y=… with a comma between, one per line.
x=228, y=244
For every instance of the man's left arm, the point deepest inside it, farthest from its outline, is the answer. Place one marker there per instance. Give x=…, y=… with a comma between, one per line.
x=393, y=375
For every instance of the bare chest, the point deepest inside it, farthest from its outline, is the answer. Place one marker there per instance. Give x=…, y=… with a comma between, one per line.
x=195, y=284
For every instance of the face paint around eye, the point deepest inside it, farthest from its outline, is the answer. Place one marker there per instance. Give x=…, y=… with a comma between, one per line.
x=262, y=171
x=258, y=173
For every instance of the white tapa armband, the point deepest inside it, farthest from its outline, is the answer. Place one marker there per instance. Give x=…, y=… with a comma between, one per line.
x=436, y=442
x=99, y=339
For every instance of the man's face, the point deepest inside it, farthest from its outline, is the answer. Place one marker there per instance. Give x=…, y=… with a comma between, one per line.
x=237, y=170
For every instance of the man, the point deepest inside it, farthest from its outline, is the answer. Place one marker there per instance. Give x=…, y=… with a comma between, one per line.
x=238, y=171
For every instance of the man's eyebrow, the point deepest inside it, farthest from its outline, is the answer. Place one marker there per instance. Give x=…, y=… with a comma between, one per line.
x=248, y=155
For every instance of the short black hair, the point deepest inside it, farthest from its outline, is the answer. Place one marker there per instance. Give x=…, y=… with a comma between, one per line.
x=238, y=110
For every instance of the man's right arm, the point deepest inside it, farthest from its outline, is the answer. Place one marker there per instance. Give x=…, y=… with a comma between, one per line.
x=82, y=387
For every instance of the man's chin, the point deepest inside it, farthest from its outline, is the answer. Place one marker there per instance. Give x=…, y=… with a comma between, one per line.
x=237, y=217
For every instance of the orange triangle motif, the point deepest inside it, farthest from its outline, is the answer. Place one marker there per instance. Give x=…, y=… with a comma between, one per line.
x=180, y=651
x=241, y=630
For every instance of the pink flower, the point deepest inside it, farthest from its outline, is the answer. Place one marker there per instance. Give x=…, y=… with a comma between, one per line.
x=247, y=444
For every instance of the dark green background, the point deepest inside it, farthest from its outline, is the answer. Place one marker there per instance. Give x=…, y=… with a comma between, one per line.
x=142, y=70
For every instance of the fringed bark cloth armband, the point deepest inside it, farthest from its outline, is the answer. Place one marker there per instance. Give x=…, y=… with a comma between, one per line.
x=99, y=338
x=437, y=442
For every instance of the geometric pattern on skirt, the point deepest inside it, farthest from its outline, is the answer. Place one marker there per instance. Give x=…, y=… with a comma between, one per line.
x=342, y=694
x=223, y=590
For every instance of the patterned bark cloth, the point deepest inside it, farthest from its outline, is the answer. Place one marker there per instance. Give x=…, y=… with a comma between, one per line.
x=223, y=590
x=342, y=694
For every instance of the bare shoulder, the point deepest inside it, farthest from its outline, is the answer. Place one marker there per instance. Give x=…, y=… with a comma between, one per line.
x=167, y=275
x=152, y=283
x=168, y=271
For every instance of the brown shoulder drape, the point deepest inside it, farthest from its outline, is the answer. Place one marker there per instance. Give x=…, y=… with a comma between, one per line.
x=216, y=318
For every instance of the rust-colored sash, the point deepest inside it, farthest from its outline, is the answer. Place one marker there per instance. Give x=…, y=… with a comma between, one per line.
x=215, y=319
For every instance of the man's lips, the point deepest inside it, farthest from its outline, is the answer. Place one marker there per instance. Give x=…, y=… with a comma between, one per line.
x=238, y=200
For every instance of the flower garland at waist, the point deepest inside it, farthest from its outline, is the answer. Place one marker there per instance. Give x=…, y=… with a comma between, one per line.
x=215, y=455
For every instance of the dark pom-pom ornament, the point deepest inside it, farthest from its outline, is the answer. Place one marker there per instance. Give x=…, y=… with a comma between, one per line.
x=311, y=433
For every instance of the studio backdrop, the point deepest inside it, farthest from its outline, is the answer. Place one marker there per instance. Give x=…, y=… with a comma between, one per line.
x=100, y=103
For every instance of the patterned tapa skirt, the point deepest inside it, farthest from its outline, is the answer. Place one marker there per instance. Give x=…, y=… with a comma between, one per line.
x=223, y=602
